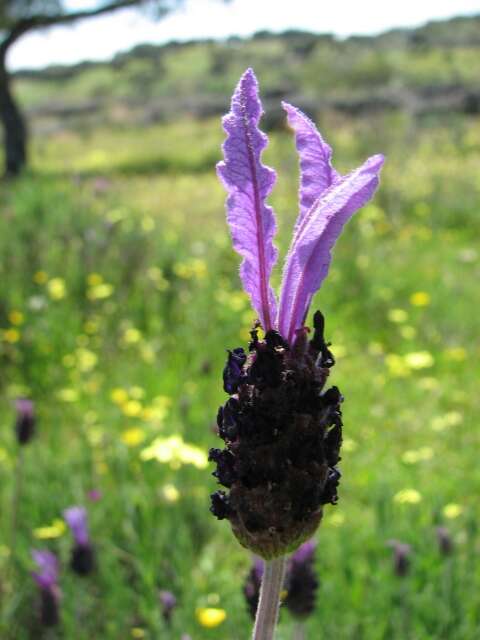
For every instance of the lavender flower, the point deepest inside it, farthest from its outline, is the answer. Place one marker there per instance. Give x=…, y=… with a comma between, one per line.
x=301, y=581
x=47, y=580
x=168, y=602
x=401, y=557
x=251, y=588
x=444, y=540
x=25, y=420
x=83, y=554
x=282, y=430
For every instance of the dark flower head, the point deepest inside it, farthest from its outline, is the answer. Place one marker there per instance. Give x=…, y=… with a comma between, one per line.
x=168, y=602
x=251, y=588
x=25, y=420
x=83, y=554
x=301, y=581
x=401, y=557
x=444, y=539
x=46, y=578
x=281, y=427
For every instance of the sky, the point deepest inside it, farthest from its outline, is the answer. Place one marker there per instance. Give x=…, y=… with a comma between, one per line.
x=101, y=38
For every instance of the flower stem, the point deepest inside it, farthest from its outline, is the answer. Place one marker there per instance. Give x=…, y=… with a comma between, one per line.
x=299, y=631
x=267, y=612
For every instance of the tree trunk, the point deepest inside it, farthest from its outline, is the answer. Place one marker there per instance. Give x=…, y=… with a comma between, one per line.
x=14, y=130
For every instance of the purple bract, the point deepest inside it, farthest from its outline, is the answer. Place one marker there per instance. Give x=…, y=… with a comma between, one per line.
x=327, y=201
x=76, y=518
x=47, y=575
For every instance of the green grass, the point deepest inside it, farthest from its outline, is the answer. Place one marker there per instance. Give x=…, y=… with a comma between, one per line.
x=132, y=224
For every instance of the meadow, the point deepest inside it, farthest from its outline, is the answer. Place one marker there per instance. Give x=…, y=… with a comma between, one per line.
x=119, y=295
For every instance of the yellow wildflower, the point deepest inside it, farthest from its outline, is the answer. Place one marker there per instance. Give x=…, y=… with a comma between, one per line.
x=428, y=383
x=397, y=315
x=86, y=360
x=336, y=519
x=175, y=451
x=67, y=395
x=100, y=291
x=131, y=336
x=418, y=455
x=133, y=437
x=132, y=408
x=54, y=530
x=420, y=299
x=452, y=510
x=419, y=360
x=408, y=332
x=456, y=353
x=407, y=496
x=170, y=493
x=11, y=335
x=396, y=365
x=349, y=445
x=94, y=279
x=449, y=419
x=210, y=617
x=118, y=395
x=16, y=317
x=137, y=632
x=156, y=276
x=56, y=288
x=40, y=277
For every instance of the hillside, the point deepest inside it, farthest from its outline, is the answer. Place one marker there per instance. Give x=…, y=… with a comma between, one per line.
x=433, y=68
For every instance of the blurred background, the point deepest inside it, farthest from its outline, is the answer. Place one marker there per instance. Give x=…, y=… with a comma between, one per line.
x=119, y=293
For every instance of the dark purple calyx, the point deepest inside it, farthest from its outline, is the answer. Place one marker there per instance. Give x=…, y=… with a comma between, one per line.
x=49, y=607
x=282, y=433
x=301, y=581
x=83, y=560
x=25, y=420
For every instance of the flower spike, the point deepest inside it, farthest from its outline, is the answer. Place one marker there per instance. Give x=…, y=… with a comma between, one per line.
x=281, y=425
x=248, y=183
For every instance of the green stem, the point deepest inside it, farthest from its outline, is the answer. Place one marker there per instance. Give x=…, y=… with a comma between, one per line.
x=267, y=612
x=299, y=631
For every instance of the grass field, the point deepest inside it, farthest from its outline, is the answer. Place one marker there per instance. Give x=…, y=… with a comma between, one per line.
x=120, y=294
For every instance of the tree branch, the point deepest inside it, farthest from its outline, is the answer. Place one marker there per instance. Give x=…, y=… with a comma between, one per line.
x=39, y=21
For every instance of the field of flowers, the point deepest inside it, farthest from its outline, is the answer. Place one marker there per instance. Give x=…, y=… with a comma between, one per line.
x=119, y=292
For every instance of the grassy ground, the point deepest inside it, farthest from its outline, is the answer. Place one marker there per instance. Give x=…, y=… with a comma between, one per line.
x=118, y=296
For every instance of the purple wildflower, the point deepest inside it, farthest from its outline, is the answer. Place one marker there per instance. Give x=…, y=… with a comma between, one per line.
x=251, y=587
x=94, y=495
x=25, y=420
x=444, y=540
x=301, y=581
x=168, y=602
x=47, y=580
x=83, y=554
x=401, y=557
x=281, y=429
